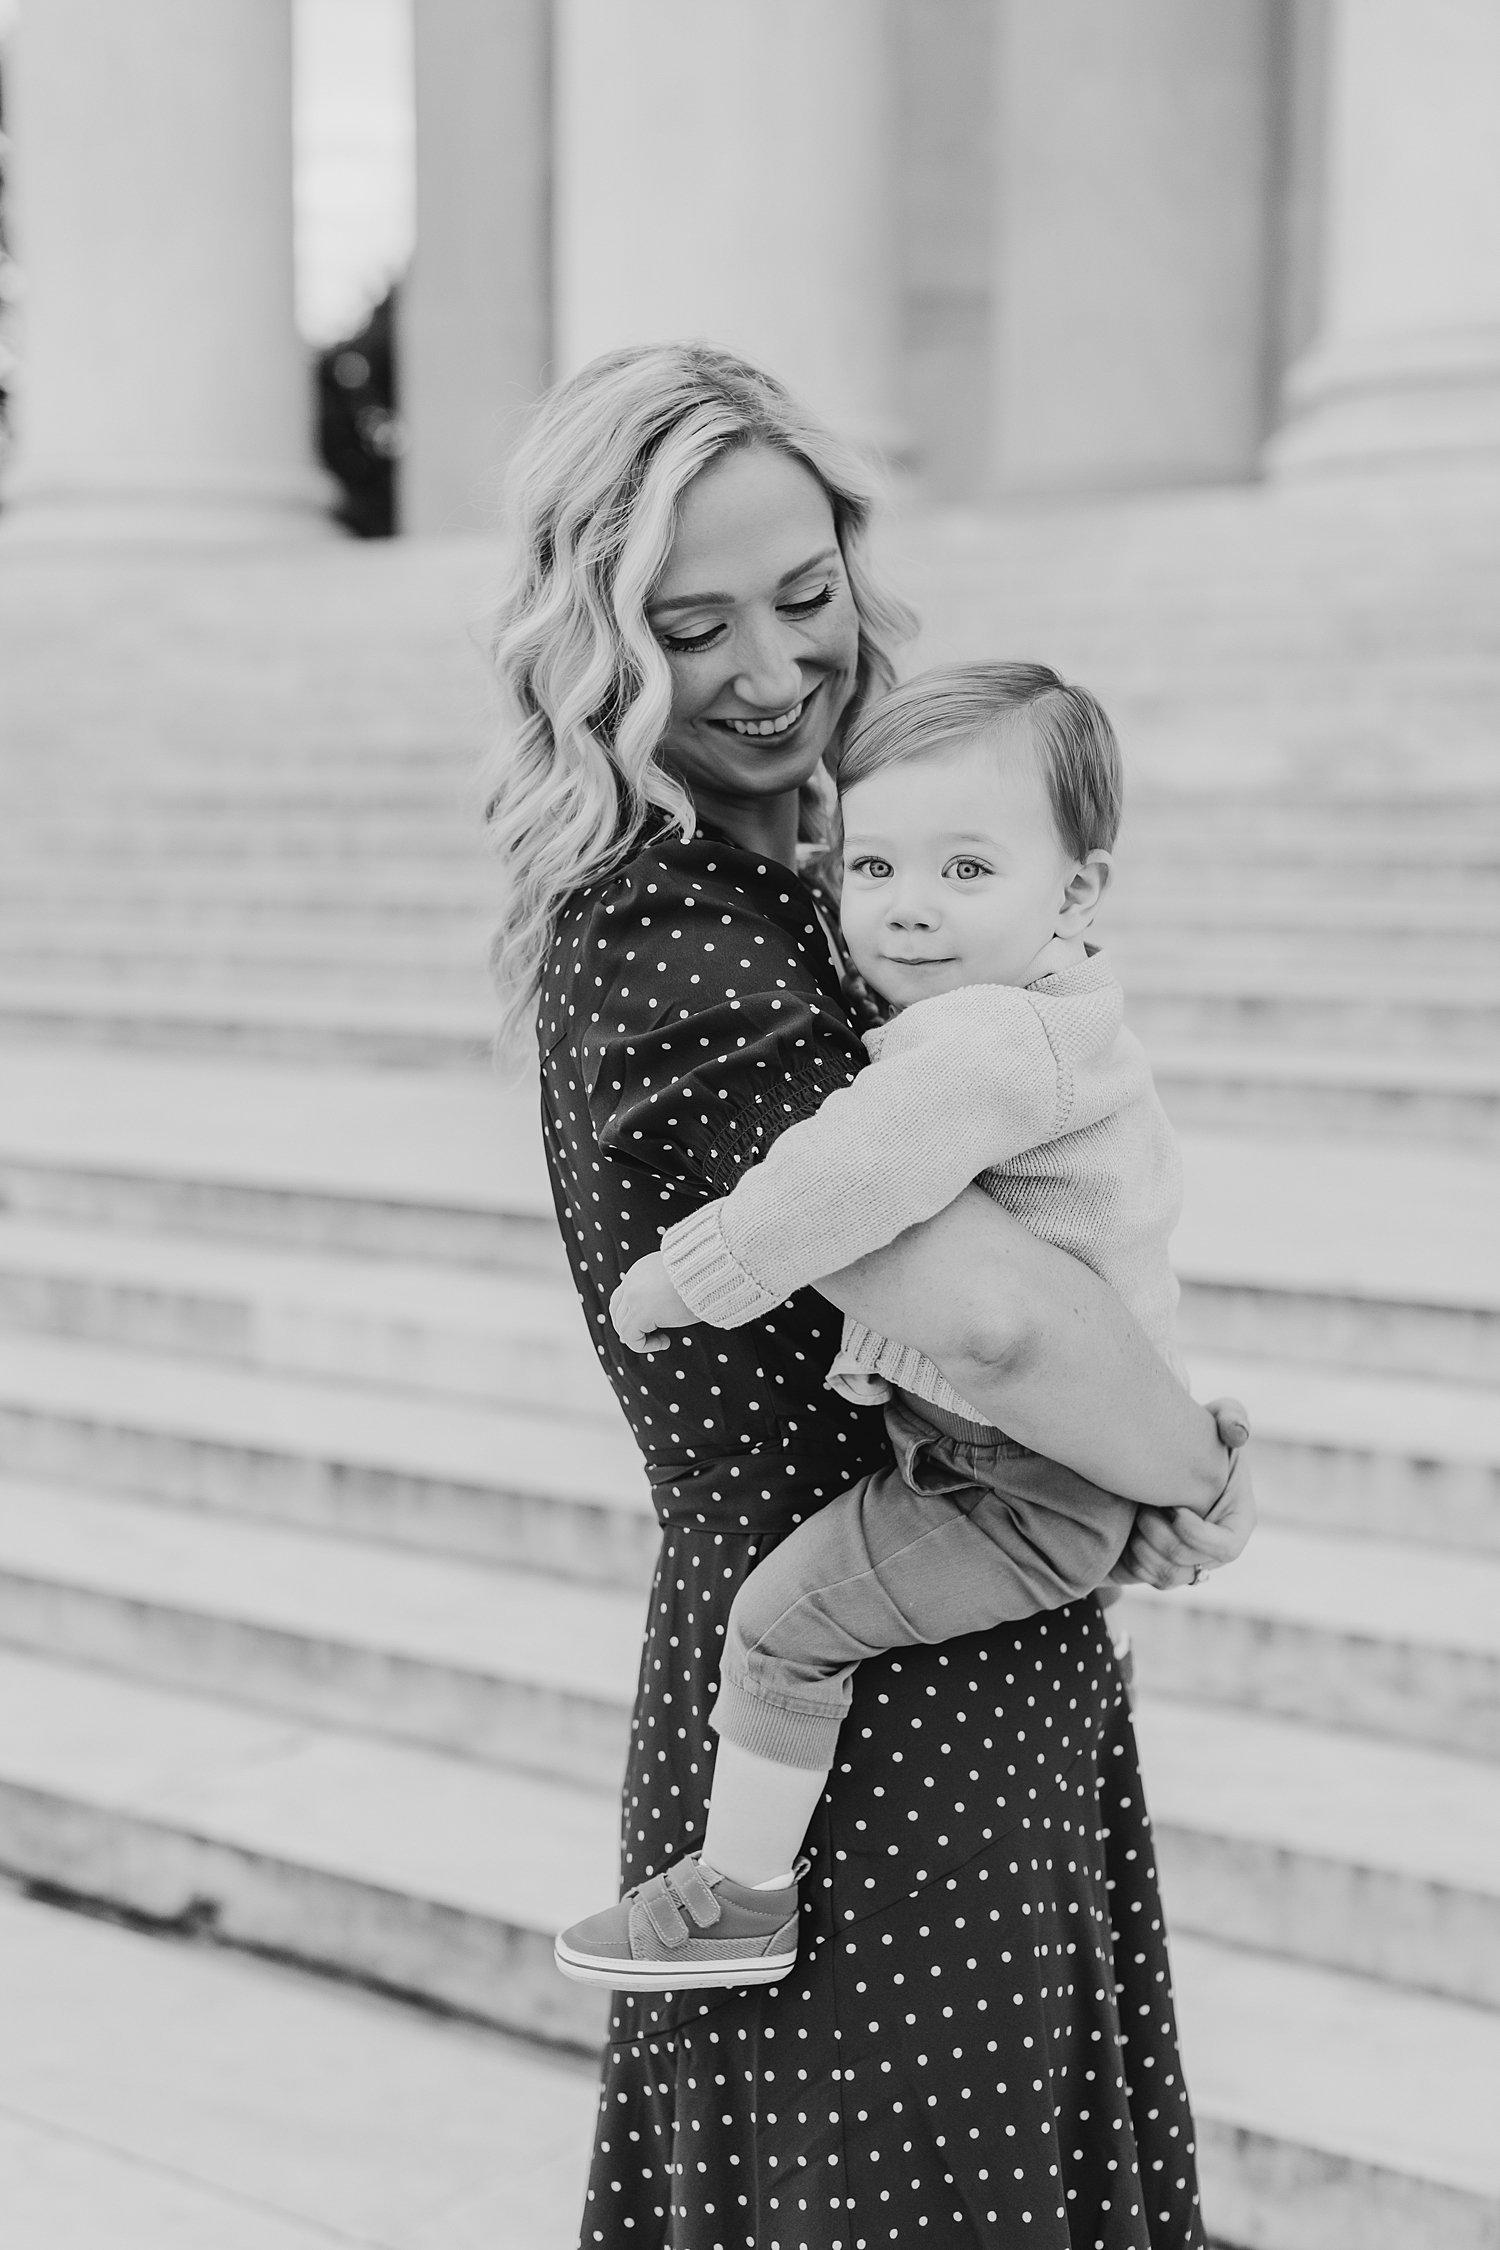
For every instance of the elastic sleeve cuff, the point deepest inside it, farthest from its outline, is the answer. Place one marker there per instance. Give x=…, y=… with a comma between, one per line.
x=707, y=1275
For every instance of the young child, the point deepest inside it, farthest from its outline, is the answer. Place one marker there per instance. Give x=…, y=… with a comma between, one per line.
x=979, y=806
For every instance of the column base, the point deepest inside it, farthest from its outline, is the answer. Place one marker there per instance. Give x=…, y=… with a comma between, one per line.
x=1391, y=401
x=81, y=504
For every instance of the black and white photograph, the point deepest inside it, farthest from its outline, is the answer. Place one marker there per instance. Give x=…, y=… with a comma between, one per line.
x=750, y=1124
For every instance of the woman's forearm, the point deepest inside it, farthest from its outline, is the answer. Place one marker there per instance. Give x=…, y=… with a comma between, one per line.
x=1043, y=1347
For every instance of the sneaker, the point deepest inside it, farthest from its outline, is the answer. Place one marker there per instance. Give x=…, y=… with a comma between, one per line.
x=683, y=1931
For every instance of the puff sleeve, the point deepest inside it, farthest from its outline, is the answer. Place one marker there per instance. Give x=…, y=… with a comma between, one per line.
x=709, y=1031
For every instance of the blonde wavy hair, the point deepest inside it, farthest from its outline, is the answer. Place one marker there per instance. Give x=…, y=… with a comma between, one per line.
x=591, y=500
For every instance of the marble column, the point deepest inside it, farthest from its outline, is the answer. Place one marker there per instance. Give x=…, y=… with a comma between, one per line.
x=162, y=385
x=1131, y=240
x=474, y=314
x=723, y=173
x=1406, y=361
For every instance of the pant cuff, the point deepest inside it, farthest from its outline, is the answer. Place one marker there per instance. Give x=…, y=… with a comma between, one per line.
x=788, y=1738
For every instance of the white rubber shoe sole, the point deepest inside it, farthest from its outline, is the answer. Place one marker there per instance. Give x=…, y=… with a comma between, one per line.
x=618, y=1975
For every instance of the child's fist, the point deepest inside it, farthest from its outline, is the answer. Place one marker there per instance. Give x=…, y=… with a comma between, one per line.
x=645, y=1305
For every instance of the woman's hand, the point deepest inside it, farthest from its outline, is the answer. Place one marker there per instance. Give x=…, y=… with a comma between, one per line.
x=646, y=1305
x=1173, y=1546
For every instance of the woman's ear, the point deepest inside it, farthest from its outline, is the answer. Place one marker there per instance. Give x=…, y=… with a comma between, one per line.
x=1086, y=886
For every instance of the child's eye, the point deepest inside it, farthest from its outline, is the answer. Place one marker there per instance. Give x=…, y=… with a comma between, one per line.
x=690, y=644
x=871, y=864
x=810, y=606
x=967, y=870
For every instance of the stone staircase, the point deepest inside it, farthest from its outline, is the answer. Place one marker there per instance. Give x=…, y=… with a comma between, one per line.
x=322, y=1553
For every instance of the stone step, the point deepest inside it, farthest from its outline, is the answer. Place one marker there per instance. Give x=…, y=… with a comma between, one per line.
x=1340, y=1328
x=271, y=1020
x=425, y=952
x=329, y=772
x=1231, y=1083
x=437, y=1010
x=1364, y=1632
x=1400, y=1458
x=432, y=829
x=1253, y=1014
x=376, y=1223
x=1375, y=1257
x=1204, y=909
x=514, y=1668
x=1254, y=1086
x=446, y=818
x=419, y=1872
x=1159, y=886
x=1412, y=1459
x=423, y=889
x=384, y=1162
x=1380, y=1220
x=161, y=2096
x=1330, y=2107
x=1168, y=942
x=1405, y=1458
x=1393, y=1456
x=124, y=951
x=1298, y=922
x=520, y=1337
x=1271, y=1833
x=446, y=1476
x=1360, y=1855
x=1347, y=820
x=1334, y=2113
x=1383, y=1638
x=508, y=1339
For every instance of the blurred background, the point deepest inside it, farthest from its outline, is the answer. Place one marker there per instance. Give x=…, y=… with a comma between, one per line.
x=1177, y=328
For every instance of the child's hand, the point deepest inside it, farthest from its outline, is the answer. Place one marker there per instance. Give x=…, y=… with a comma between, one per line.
x=645, y=1305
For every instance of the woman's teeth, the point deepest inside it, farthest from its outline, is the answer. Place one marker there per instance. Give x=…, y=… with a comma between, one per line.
x=779, y=725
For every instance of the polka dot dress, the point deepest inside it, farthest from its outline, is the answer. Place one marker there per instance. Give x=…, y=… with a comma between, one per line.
x=977, y=2046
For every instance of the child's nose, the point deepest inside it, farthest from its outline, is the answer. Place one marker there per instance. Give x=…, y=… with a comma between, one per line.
x=911, y=910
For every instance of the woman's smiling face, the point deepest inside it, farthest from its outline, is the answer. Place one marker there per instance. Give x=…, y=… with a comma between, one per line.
x=755, y=615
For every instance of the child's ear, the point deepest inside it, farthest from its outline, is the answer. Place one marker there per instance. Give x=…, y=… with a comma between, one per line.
x=1086, y=886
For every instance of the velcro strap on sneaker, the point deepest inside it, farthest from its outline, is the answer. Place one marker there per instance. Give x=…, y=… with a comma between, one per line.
x=691, y=1888
x=662, y=1912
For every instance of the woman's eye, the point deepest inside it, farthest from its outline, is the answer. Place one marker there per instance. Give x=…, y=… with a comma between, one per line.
x=689, y=644
x=810, y=605
x=966, y=870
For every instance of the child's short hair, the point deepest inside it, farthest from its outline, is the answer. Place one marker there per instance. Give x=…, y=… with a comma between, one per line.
x=955, y=702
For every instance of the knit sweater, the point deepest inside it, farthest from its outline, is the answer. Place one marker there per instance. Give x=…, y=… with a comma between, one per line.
x=1039, y=1093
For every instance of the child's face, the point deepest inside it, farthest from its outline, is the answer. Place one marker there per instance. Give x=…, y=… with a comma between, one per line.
x=954, y=872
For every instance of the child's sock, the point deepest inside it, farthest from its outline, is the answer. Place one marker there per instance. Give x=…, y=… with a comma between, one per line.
x=758, y=1816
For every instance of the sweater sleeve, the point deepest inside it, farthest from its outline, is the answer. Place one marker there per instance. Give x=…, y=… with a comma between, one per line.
x=963, y=1081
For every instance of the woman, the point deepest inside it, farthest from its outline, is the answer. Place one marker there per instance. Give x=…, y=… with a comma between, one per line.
x=978, y=2038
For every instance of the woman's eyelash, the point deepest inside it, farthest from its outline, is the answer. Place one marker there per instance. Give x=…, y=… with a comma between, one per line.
x=681, y=645
x=819, y=600
x=689, y=644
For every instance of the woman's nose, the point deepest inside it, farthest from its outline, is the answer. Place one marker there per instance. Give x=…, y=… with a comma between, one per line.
x=768, y=677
